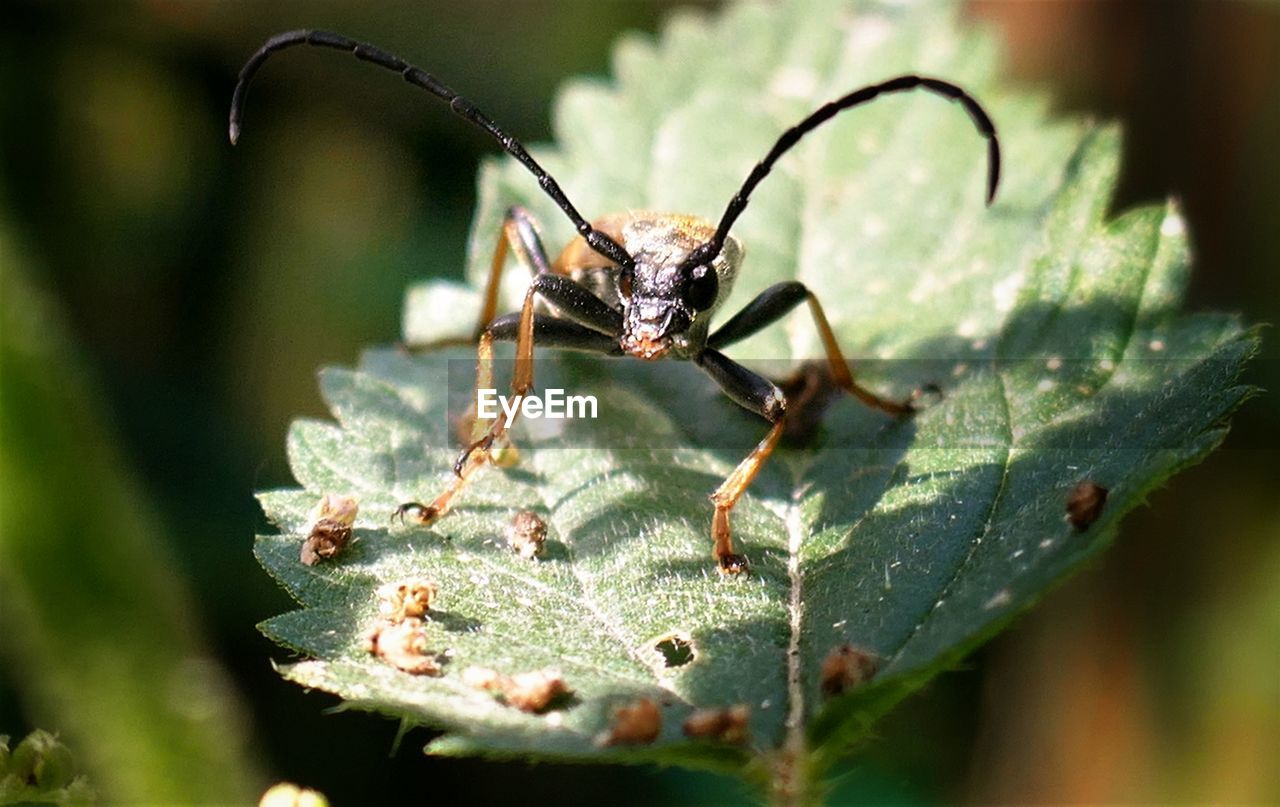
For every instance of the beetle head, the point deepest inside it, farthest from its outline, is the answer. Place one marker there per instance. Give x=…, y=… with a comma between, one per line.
x=667, y=304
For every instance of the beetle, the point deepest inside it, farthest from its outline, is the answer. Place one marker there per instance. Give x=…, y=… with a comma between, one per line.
x=644, y=284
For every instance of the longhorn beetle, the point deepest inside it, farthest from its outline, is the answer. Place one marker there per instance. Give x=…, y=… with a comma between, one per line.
x=639, y=283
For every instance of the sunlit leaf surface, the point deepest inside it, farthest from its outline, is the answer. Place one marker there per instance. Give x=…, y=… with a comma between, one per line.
x=1049, y=323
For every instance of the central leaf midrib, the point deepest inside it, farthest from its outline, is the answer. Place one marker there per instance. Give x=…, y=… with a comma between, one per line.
x=796, y=533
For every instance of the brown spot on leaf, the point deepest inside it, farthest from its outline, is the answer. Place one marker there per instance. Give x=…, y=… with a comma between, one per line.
x=1084, y=505
x=727, y=725
x=637, y=723
x=403, y=645
x=406, y=599
x=329, y=530
x=846, y=668
x=527, y=533
x=535, y=691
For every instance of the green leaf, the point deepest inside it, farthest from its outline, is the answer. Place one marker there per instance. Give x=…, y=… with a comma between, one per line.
x=1051, y=329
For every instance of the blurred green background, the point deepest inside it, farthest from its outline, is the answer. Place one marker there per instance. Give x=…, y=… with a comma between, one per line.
x=167, y=301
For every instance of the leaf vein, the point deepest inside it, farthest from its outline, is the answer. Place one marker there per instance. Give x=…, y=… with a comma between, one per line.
x=981, y=533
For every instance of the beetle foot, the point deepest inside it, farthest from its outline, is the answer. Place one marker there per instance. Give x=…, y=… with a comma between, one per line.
x=483, y=445
x=732, y=563
x=422, y=513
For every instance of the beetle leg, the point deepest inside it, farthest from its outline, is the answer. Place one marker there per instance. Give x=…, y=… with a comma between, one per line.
x=590, y=325
x=763, y=397
x=569, y=298
x=574, y=304
x=520, y=233
x=478, y=453
x=553, y=332
x=775, y=302
x=727, y=495
x=525, y=328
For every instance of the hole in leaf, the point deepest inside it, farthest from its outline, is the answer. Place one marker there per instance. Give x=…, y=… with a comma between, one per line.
x=676, y=649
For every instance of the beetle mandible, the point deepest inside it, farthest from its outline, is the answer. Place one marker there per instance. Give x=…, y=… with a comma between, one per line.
x=643, y=284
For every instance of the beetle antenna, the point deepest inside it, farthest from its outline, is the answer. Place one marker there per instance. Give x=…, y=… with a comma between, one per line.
x=826, y=112
x=460, y=106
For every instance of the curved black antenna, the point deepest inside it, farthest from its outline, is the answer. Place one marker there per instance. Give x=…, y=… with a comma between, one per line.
x=460, y=106
x=708, y=251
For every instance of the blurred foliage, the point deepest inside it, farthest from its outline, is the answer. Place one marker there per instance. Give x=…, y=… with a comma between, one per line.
x=99, y=631
x=161, y=246
x=40, y=770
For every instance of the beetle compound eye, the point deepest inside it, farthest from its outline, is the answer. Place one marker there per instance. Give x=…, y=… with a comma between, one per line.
x=701, y=290
x=624, y=284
